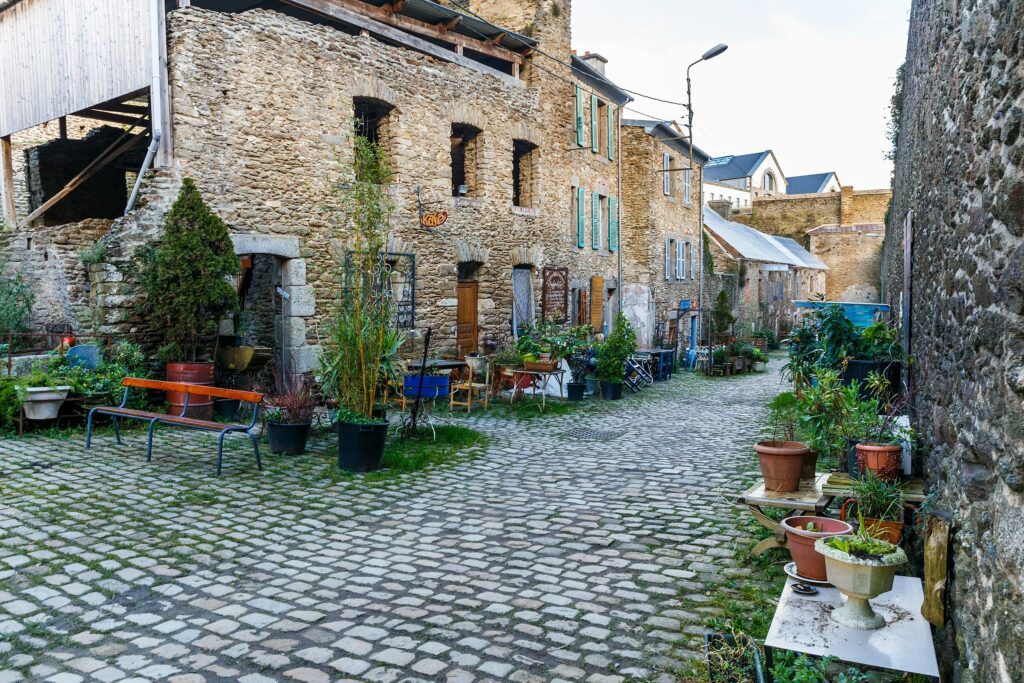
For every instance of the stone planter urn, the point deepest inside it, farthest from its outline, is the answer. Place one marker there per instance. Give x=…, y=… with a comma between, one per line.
x=43, y=403
x=860, y=579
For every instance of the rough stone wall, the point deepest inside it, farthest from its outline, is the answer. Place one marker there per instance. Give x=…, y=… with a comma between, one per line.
x=793, y=215
x=870, y=206
x=854, y=260
x=650, y=217
x=960, y=172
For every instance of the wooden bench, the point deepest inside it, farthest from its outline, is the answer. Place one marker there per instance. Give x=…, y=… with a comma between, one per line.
x=180, y=420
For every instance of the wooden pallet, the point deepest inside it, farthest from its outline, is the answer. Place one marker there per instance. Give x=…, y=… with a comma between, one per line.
x=839, y=484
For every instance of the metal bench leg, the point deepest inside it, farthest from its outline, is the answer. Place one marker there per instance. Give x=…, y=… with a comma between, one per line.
x=117, y=432
x=149, y=441
x=256, y=450
x=88, y=429
x=220, y=451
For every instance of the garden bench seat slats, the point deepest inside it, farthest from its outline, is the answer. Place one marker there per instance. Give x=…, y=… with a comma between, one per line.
x=181, y=419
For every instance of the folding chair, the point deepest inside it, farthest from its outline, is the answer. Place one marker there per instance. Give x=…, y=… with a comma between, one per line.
x=470, y=386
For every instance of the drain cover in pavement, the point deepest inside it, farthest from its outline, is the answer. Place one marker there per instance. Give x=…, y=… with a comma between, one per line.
x=587, y=434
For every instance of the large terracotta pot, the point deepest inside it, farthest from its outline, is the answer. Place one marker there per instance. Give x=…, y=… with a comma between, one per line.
x=199, y=407
x=810, y=564
x=781, y=464
x=882, y=459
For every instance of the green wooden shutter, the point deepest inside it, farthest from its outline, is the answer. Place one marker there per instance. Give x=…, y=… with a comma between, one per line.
x=581, y=228
x=579, y=116
x=595, y=124
x=611, y=131
x=613, y=224
x=595, y=220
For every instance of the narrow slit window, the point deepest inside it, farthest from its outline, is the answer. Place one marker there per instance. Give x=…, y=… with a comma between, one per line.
x=465, y=161
x=524, y=173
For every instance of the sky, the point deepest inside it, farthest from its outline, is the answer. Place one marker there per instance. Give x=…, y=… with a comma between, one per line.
x=808, y=79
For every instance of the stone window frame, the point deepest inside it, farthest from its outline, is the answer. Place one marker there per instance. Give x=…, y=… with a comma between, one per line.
x=768, y=179
x=525, y=173
x=472, y=143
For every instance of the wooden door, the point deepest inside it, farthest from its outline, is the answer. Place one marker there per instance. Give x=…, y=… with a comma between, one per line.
x=466, y=317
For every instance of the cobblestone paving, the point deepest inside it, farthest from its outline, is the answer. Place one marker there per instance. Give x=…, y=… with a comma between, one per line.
x=547, y=557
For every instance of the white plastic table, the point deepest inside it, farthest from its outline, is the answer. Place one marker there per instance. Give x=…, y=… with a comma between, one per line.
x=804, y=624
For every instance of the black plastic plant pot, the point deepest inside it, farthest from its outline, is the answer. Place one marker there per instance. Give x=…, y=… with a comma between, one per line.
x=611, y=391
x=728, y=663
x=858, y=370
x=226, y=407
x=361, y=445
x=575, y=390
x=289, y=439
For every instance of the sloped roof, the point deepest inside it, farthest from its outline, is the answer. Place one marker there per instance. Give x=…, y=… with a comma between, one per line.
x=794, y=248
x=808, y=184
x=663, y=131
x=734, y=166
x=598, y=81
x=749, y=243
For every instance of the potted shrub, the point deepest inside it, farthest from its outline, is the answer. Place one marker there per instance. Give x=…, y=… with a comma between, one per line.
x=528, y=347
x=880, y=448
x=42, y=394
x=354, y=365
x=290, y=414
x=877, y=350
x=760, y=360
x=801, y=534
x=612, y=355
x=720, y=356
x=577, y=386
x=861, y=568
x=782, y=457
x=880, y=504
x=188, y=292
x=721, y=315
x=506, y=360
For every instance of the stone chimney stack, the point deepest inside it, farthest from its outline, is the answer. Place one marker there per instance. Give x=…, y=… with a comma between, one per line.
x=846, y=205
x=595, y=61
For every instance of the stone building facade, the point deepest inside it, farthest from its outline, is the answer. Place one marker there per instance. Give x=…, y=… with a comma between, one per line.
x=958, y=215
x=853, y=254
x=661, y=222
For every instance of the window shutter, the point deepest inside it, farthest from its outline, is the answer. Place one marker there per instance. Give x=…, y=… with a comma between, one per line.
x=680, y=260
x=595, y=124
x=613, y=224
x=595, y=220
x=668, y=259
x=693, y=260
x=581, y=210
x=666, y=180
x=687, y=186
x=597, y=302
x=611, y=131
x=579, y=116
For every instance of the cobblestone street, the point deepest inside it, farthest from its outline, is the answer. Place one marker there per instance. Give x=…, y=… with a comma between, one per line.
x=552, y=555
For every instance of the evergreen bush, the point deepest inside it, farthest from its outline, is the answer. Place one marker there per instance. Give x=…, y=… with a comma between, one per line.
x=721, y=315
x=612, y=354
x=186, y=279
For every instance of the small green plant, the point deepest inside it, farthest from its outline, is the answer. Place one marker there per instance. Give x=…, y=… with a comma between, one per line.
x=861, y=544
x=877, y=498
x=507, y=356
x=721, y=315
x=784, y=416
x=613, y=352
x=16, y=299
x=97, y=253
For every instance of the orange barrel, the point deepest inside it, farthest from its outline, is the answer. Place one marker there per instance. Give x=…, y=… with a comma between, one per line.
x=199, y=407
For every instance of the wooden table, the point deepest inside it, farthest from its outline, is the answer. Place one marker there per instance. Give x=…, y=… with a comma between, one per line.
x=803, y=624
x=545, y=375
x=808, y=498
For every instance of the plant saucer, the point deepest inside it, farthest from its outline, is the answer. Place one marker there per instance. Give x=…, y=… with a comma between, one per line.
x=790, y=570
x=804, y=589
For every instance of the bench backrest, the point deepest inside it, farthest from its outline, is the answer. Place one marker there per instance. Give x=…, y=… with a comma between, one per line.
x=194, y=389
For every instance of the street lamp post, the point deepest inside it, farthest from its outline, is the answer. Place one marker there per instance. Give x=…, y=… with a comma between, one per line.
x=713, y=52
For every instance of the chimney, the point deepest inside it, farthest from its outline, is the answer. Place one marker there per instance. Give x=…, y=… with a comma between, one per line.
x=594, y=61
x=846, y=205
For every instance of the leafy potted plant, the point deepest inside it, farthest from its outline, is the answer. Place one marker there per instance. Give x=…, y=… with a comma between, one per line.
x=237, y=356
x=188, y=292
x=290, y=414
x=720, y=356
x=877, y=350
x=528, y=347
x=42, y=394
x=881, y=447
x=354, y=363
x=577, y=386
x=760, y=360
x=880, y=504
x=861, y=568
x=782, y=457
x=506, y=360
x=801, y=534
x=612, y=355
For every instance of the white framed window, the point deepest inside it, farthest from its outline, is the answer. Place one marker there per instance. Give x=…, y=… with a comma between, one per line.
x=680, y=260
x=668, y=258
x=769, y=182
x=687, y=186
x=666, y=175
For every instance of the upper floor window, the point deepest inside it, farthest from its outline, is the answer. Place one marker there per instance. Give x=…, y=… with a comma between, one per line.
x=466, y=142
x=769, y=182
x=524, y=173
x=666, y=173
x=372, y=119
x=687, y=186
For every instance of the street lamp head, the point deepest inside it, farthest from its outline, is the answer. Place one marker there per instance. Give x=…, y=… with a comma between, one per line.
x=715, y=51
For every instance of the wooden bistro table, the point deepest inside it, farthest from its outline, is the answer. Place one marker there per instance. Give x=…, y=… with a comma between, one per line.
x=544, y=376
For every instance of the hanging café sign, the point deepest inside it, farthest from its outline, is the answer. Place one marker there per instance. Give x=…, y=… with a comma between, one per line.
x=433, y=219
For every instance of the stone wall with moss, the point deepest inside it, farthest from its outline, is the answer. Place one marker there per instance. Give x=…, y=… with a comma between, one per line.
x=960, y=183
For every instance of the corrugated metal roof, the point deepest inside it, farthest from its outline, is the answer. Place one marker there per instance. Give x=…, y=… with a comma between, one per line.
x=470, y=26
x=795, y=248
x=856, y=227
x=749, y=243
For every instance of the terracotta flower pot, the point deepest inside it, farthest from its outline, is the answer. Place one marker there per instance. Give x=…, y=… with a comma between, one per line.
x=810, y=467
x=781, y=464
x=885, y=530
x=882, y=459
x=810, y=563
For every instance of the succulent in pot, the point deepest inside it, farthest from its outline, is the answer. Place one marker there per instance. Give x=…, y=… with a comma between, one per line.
x=290, y=414
x=861, y=568
x=782, y=457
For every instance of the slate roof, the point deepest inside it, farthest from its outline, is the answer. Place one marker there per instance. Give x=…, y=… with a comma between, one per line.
x=732, y=167
x=599, y=82
x=808, y=184
x=663, y=131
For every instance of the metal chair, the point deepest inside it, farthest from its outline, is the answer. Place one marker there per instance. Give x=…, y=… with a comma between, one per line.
x=702, y=361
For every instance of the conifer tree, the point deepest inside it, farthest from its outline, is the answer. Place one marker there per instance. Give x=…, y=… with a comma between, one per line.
x=187, y=286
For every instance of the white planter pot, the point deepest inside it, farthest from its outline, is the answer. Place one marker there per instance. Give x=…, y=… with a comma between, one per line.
x=760, y=366
x=42, y=403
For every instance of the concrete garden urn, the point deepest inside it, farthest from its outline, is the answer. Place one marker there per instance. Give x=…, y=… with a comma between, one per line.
x=43, y=403
x=860, y=577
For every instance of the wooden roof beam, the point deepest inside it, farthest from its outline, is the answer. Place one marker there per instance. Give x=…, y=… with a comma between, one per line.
x=395, y=6
x=449, y=24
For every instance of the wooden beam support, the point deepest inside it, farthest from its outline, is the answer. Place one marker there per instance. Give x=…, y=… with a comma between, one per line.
x=449, y=24
x=339, y=10
x=135, y=110
x=123, y=119
x=395, y=7
x=62, y=125
x=7, y=181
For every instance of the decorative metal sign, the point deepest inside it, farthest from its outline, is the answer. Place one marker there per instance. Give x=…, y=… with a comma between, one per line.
x=555, y=295
x=433, y=219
